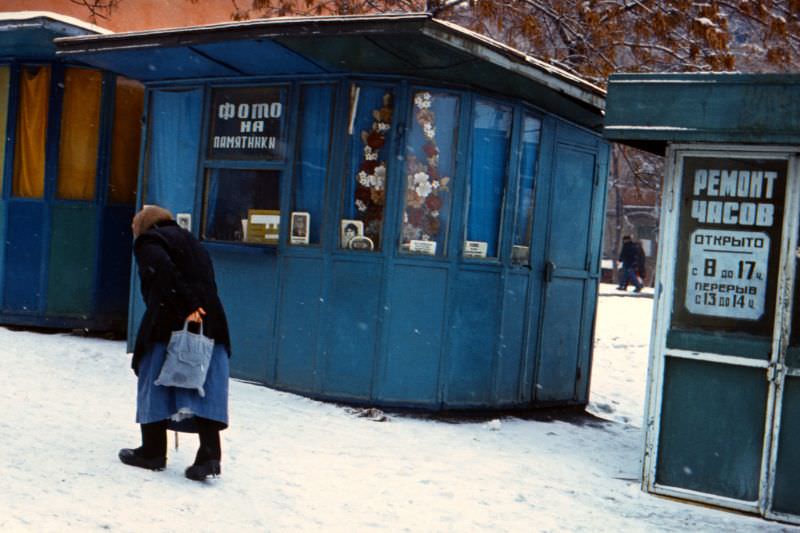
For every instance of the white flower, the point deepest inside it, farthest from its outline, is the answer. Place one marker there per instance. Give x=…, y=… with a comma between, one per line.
x=361, y=206
x=423, y=189
x=370, y=156
x=429, y=130
x=423, y=100
x=435, y=213
x=381, y=126
x=421, y=177
x=363, y=178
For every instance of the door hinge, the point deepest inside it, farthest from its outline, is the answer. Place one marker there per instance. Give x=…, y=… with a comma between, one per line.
x=549, y=269
x=775, y=372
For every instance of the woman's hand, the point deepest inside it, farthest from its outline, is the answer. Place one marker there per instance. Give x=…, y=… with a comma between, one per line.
x=197, y=315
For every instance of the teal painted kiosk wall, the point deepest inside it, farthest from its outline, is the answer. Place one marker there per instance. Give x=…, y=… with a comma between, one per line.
x=476, y=204
x=724, y=369
x=68, y=181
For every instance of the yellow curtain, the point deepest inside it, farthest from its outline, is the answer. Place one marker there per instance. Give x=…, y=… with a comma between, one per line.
x=125, y=141
x=4, y=85
x=29, y=152
x=80, y=134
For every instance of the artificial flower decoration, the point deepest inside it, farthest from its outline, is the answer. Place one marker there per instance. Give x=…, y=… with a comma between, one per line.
x=370, y=192
x=426, y=190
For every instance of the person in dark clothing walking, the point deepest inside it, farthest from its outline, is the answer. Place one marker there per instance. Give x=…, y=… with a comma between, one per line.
x=629, y=256
x=177, y=283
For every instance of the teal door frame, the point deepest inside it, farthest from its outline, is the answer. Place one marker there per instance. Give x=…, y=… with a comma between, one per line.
x=715, y=395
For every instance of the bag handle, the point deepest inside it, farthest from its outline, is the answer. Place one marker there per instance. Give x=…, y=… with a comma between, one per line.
x=186, y=326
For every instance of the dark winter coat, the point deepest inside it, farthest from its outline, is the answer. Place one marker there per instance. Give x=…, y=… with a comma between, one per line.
x=629, y=255
x=176, y=277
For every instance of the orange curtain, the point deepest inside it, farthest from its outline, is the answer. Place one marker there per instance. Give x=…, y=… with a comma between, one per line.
x=4, y=85
x=125, y=141
x=80, y=134
x=29, y=152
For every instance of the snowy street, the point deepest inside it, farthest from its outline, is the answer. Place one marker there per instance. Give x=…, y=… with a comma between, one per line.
x=293, y=464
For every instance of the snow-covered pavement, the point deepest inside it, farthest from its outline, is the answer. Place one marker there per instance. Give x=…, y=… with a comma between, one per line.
x=294, y=464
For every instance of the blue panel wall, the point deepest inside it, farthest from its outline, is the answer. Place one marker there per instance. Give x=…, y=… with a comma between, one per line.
x=115, y=261
x=298, y=323
x=351, y=328
x=415, y=315
x=247, y=287
x=511, y=348
x=23, y=283
x=473, y=334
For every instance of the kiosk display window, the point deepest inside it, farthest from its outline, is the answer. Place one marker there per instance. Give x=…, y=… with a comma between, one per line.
x=242, y=205
x=311, y=164
x=523, y=224
x=429, y=170
x=491, y=130
x=128, y=104
x=364, y=191
x=5, y=79
x=29, y=156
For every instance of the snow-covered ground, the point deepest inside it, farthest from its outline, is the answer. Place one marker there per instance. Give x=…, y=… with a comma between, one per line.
x=293, y=464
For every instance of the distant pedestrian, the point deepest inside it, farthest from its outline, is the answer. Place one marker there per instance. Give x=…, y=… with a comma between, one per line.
x=177, y=282
x=630, y=257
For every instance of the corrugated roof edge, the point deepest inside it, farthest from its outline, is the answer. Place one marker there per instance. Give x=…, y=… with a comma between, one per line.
x=10, y=17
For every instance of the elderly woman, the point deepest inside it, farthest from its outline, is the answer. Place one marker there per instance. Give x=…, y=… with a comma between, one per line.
x=177, y=282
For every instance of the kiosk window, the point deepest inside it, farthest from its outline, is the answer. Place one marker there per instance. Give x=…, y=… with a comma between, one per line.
x=34, y=99
x=4, y=86
x=128, y=105
x=728, y=253
x=242, y=205
x=311, y=168
x=364, y=191
x=523, y=223
x=430, y=167
x=80, y=134
x=491, y=135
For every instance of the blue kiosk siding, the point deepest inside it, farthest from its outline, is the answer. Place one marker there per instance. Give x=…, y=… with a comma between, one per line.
x=432, y=328
x=366, y=329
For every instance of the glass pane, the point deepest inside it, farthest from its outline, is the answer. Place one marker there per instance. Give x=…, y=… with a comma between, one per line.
x=728, y=252
x=523, y=224
x=491, y=134
x=80, y=134
x=242, y=205
x=364, y=192
x=128, y=104
x=430, y=165
x=5, y=77
x=29, y=153
x=248, y=123
x=308, y=190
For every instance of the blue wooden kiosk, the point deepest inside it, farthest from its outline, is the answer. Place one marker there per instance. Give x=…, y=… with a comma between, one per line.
x=723, y=410
x=68, y=153
x=401, y=212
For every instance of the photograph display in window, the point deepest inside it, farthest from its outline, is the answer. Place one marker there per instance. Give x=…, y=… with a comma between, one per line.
x=242, y=205
x=427, y=190
x=248, y=123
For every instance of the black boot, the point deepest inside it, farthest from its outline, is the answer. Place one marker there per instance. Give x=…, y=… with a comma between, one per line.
x=152, y=454
x=207, y=460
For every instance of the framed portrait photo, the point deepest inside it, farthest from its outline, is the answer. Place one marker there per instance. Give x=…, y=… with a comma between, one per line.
x=349, y=230
x=299, y=227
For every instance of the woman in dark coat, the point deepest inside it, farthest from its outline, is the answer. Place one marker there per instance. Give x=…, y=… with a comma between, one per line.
x=177, y=282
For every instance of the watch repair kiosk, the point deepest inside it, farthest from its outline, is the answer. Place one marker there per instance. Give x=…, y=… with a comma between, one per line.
x=723, y=411
x=400, y=212
x=69, y=138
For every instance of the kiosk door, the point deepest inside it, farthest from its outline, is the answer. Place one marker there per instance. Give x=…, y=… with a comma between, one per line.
x=721, y=325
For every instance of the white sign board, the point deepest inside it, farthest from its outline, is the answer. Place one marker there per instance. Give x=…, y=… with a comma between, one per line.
x=727, y=273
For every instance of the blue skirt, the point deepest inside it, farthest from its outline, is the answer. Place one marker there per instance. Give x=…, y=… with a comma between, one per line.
x=178, y=405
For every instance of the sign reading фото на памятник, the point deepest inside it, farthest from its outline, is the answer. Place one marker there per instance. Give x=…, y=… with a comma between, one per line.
x=730, y=235
x=247, y=123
